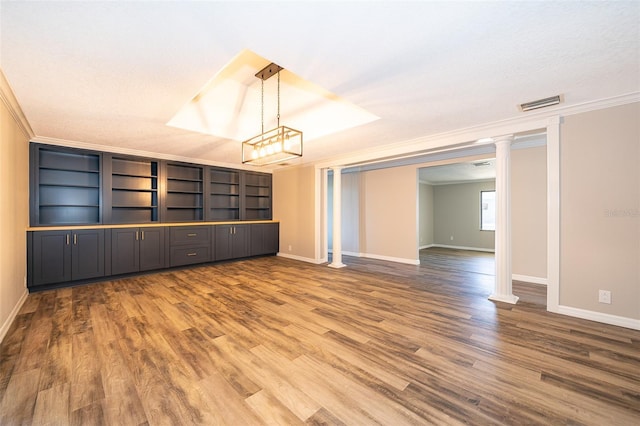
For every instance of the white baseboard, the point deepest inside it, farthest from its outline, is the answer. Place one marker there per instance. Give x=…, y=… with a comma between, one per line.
x=392, y=259
x=426, y=246
x=599, y=317
x=12, y=316
x=463, y=248
x=380, y=257
x=301, y=258
x=529, y=279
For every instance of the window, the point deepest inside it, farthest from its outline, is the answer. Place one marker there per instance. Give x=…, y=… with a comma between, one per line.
x=487, y=210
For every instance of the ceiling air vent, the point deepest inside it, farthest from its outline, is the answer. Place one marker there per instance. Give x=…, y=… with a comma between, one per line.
x=540, y=103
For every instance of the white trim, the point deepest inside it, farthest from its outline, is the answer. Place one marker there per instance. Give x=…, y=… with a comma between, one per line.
x=599, y=317
x=392, y=259
x=9, y=99
x=528, y=121
x=553, y=214
x=301, y=258
x=426, y=247
x=529, y=279
x=12, y=316
x=506, y=298
x=463, y=248
x=352, y=253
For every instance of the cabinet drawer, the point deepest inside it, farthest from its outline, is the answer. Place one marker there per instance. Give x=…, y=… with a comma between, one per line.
x=188, y=255
x=190, y=235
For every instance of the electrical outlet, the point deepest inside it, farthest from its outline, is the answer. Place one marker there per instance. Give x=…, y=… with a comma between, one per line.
x=452, y=238
x=289, y=247
x=604, y=296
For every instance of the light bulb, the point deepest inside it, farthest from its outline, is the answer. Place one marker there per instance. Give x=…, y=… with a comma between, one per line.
x=254, y=154
x=262, y=152
x=269, y=149
x=277, y=147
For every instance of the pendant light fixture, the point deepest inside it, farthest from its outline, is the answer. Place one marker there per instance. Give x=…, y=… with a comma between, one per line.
x=276, y=145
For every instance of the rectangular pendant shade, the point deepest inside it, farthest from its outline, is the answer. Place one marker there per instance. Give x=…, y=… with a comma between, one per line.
x=274, y=146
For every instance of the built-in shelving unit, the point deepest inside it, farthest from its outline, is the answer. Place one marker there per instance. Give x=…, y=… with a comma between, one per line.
x=134, y=190
x=184, y=199
x=224, y=194
x=257, y=196
x=68, y=191
x=71, y=186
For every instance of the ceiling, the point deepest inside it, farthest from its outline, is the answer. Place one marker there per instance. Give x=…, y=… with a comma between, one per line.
x=114, y=73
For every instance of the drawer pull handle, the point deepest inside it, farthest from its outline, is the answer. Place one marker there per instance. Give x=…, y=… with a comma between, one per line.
x=192, y=254
x=191, y=235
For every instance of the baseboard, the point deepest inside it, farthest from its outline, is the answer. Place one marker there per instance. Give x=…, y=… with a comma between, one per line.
x=12, y=315
x=529, y=279
x=463, y=248
x=301, y=258
x=599, y=317
x=392, y=259
x=426, y=247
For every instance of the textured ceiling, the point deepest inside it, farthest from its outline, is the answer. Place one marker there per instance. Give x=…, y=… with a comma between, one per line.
x=113, y=73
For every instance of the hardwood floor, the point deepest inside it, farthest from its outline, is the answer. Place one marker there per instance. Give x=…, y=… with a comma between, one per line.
x=275, y=341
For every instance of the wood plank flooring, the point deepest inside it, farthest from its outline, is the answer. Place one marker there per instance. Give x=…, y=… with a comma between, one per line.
x=275, y=341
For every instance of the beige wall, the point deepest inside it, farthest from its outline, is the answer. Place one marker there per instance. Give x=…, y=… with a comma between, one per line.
x=457, y=215
x=600, y=210
x=425, y=214
x=389, y=213
x=294, y=207
x=14, y=214
x=529, y=212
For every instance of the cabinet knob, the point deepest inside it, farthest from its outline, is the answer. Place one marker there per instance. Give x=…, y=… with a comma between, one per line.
x=192, y=254
x=191, y=235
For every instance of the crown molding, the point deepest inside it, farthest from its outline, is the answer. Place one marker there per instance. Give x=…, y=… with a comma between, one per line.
x=9, y=99
x=468, y=137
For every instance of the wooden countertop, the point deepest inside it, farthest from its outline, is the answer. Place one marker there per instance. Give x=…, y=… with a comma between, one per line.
x=146, y=225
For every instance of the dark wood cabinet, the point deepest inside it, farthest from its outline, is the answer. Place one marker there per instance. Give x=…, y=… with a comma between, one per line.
x=184, y=197
x=231, y=241
x=265, y=239
x=137, y=249
x=256, y=196
x=189, y=245
x=61, y=256
x=65, y=186
x=224, y=194
x=80, y=187
x=131, y=190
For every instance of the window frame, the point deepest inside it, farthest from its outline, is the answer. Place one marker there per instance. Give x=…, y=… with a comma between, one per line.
x=482, y=228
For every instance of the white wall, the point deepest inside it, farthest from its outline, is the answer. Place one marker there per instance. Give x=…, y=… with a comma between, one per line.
x=14, y=210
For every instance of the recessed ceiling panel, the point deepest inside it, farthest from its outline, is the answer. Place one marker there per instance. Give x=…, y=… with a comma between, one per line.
x=230, y=104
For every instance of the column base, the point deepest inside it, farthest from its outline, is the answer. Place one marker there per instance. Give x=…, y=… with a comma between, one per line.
x=336, y=265
x=507, y=298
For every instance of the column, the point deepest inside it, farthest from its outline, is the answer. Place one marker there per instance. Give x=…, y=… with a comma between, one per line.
x=337, y=219
x=503, y=287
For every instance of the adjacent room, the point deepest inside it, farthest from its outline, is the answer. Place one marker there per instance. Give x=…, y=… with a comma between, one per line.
x=305, y=213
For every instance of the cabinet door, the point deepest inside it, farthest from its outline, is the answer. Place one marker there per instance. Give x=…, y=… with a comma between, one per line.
x=240, y=241
x=264, y=239
x=51, y=257
x=124, y=251
x=151, y=248
x=222, y=240
x=87, y=253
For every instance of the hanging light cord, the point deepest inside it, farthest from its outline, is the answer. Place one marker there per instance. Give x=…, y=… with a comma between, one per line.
x=262, y=108
x=278, y=116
